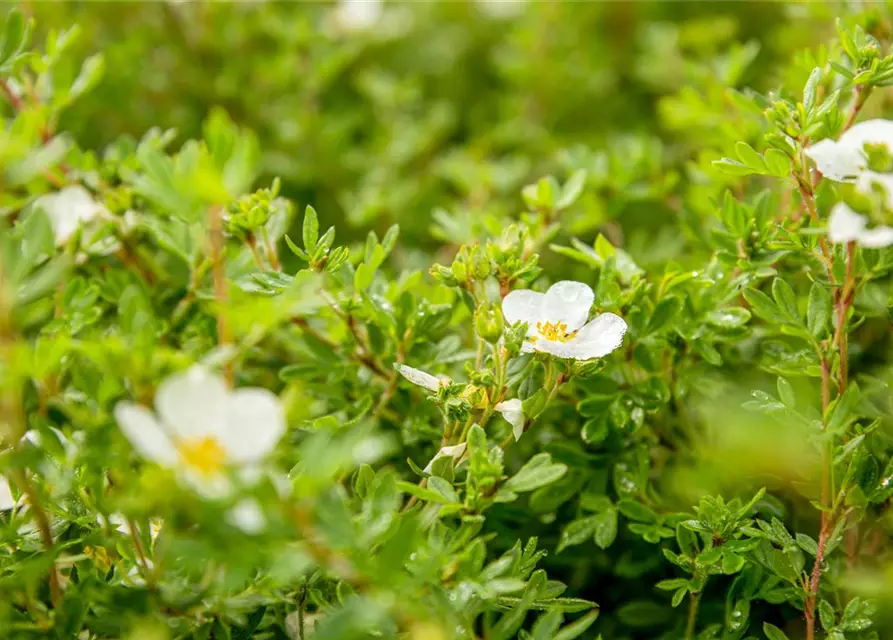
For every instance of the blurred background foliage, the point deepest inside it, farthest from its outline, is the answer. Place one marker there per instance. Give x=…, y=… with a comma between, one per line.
x=449, y=105
x=443, y=111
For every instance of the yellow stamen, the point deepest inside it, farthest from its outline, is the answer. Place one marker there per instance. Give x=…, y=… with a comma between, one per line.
x=204, y=455
x=556, y=332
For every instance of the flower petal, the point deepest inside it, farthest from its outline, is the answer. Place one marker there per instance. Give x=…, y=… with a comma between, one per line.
x=876, y=238
x=567, y=302
x=7, y=500
x=67, y=209
x=247, y=516
x=838, y=161
x=512, y=412
x=145, y=434
x=844, y=224
x=869, y=181
x=598, y=338
x=255, y=422
x=193, y=403
x=523, y=305
x=454, y=451
x=422, y=379
x=876, y=131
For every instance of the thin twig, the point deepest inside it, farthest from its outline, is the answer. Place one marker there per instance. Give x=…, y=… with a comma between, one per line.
x=215, y=228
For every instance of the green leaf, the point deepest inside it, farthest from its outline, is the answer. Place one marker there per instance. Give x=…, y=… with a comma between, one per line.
x=636, y=511
x=606, y=528
x=13, y=34
x=748, y=156
x=774, y=633
x=577, y=532
x=444, y=488
x=764, y=307
x=786, y=393
x=577, y=628
x=311, y=229
x=422, y=493
x=730, y=318
x=572, y=189
x=539, y=471
x=664, y=314
x=810, y=90
x=818, y=310
x=785, y=299
x=777, y=163
x=732, y=167
x=826, y=615
x=363, y=277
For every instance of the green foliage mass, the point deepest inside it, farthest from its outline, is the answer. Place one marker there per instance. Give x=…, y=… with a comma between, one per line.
x=325, y=230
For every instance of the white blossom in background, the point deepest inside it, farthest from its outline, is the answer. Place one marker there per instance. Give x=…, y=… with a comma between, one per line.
x=454, y=452
x=422, y=379
x=203, y=429
x=247, y=516
x=845, y=225
x=556, y=321
x=7, y=500
x=119, y=522
x=502, y=8
x=68, y=209
x=845, y=160
x=511, y=411
x=357, y=15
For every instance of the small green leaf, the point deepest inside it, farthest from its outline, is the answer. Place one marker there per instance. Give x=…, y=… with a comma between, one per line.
x=774, y=633
x=636, y=511
x=539, y=471
x=778, y=163
x=732, y=167
x=785, y=299
x=818, y=310
x=748, y=156
x=572, y=189
x=310, y=229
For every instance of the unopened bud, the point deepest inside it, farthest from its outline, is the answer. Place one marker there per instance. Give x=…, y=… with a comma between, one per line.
x=489, y=323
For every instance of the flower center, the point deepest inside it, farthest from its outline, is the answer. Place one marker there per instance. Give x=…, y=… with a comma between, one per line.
x=204, y=455
x=556, y=332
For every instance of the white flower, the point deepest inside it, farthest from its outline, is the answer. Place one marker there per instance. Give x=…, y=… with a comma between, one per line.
x=7, y=500
x=67, y=209
x=845, y=225
x=556, y=321
x=454, y=452
x=358, y=15
x=203, y=429
x=502, y=8
x=422, y=379
x=845, y=160
x=247, y=516
x=511, y=411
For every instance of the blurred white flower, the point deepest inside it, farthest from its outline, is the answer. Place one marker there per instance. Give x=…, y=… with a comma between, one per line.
x=7, y=500
x=121, y=524
x=422, y=379
x=511, y=411
x=845, y=225
x=247, y=516
x=204, y=429
x=358, y=15
x=845, y=160
x=502, y=8
x=556, y=321
x=68, y=209
x=454, y=452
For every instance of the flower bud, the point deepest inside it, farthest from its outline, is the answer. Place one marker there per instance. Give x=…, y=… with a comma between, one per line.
x=459, y=271
x=488, y=322
x=480, y=263
x=443, y=274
